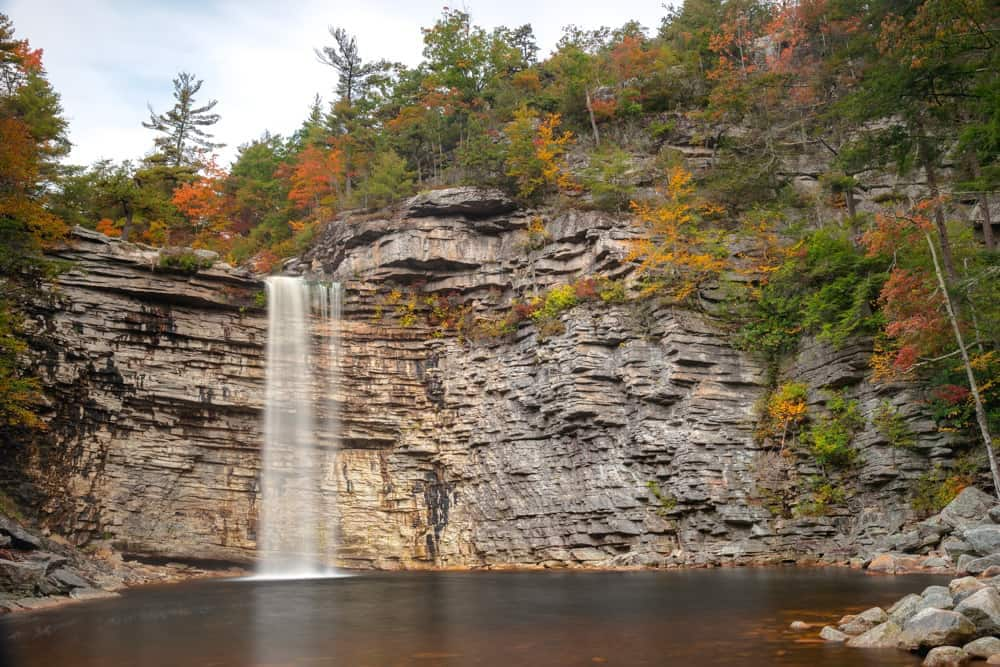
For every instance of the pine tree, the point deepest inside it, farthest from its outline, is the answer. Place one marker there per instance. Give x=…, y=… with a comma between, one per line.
x=182, y=126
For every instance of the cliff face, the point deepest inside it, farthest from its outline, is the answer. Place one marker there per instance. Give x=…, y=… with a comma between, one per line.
x=155, y=384
x=626, y=439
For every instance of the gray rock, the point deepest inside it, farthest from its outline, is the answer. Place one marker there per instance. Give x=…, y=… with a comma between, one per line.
x=978, y=565
x=995, y=514
x=22, y=577
x=68, y=579
x=935, y=627
x=799, y=626
x=984, y=540
x=18, y=537
x=968, y=508
x=983, y=609
x=938, y=597
x=955, y=547
x=946, y=656
x=885, y=635
x=964, y=587
x=905, y=608
x=469, y=201
x=832, y=634
x=983, y=647
x=874, y=615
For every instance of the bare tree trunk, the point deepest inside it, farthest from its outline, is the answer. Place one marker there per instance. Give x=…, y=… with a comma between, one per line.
x=984, y=203
x=127, y=228
x=984, y=428
x=946, y=256
x=593, y=122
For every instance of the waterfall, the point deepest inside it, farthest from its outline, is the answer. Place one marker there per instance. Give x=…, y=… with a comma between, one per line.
x=295, y=536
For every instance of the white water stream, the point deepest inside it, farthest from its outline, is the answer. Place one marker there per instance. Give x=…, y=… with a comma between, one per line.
x=295, y=535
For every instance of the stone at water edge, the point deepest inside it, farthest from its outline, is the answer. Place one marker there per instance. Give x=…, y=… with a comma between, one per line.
x=799, y=626
x=938, y=597
x=964, y=587
x=983, y=647
x=935, y=627
x=984, y=540
x=885, y=635
x=832, y=634
x=993, y=660
x=905, y=608
x=856, y=624
x=946, y=656
x=994, y=514
x=977, y=565
x=983, y=609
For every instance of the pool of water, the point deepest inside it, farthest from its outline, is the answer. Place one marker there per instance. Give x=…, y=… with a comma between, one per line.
x=693, y=617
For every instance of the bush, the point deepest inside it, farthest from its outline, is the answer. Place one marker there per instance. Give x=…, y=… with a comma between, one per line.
x=558, y=300
x=936, y=488
x=830, y=438
x=893, y=426
x=606, y=177
x=186, y=261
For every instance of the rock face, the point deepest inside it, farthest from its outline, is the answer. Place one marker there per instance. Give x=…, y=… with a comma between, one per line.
x=155, y=384
x=626, y=439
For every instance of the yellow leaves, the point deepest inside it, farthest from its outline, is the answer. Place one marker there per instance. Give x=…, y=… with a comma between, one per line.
x=675, y=250
x=535, y=159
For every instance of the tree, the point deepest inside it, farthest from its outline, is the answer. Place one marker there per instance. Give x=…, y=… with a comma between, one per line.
x=535, y=155
x=389, y=181
x=183, y=126
x=353, y=74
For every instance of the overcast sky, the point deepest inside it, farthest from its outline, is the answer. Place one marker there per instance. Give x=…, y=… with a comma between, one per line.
x=108, y=58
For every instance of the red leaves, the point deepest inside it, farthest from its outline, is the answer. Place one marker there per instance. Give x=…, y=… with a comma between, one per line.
x=952, y=394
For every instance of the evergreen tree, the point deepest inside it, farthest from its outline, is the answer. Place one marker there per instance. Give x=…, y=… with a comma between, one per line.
x=183, y=126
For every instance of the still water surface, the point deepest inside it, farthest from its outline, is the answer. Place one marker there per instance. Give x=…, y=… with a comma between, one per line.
x=492, y=619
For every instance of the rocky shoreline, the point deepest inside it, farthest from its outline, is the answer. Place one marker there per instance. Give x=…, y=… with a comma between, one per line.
x=953, y=624
x=39, y=572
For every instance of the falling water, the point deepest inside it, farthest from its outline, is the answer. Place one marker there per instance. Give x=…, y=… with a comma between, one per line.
x=301, y=429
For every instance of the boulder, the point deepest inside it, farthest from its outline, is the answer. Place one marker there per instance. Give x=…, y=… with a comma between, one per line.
x=885, y=635
x=799, y=626
x=946, y=656
x=983, y=609
x=20, y=578
x=18, y=537
x=977, y=565
x=905, y=608
x=832, y=634
x=994, y=514
x=968, y=508
x=938, y=597
x=993, y=660
x=964, y=587
x=472, y=202
x=984, y=540
x=935, y=627
x=983, y=647
x=955, y=547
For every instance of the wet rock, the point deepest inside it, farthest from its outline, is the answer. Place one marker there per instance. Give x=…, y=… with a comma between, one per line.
x=885, y=635
x=946, y=656
x=832, y=634
x=983, y=647
x=983, y=609
x=935, y=627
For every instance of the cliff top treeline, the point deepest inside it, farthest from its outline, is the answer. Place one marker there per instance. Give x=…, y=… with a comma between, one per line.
x=893, y=106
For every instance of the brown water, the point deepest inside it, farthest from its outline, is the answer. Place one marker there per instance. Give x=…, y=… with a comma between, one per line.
x=698, y=617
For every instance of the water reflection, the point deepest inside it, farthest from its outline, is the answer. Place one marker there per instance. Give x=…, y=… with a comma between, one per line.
x=729, y=617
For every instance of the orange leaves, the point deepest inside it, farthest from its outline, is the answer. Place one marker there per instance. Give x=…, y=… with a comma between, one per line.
x=900, y=229
x=915, y=324
x=108, y=227
x=314, y=178
x=19, y=175
x=675, y=251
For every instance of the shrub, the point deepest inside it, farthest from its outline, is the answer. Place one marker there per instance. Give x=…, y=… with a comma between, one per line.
x=893, y=426
x=830, y=438
x=783, y=411
x=823, y=496
x=558, y=300
x=666, y=501
x=937, y=487
x=606, y=177
x=186, y=261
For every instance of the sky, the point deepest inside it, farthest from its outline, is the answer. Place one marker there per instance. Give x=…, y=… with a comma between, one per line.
x=108, y=59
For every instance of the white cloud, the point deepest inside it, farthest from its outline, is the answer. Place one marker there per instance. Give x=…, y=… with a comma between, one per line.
x=108, y=58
